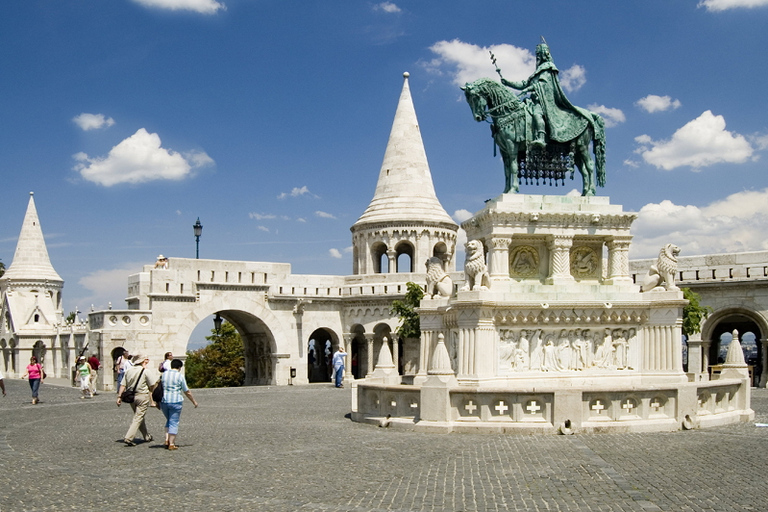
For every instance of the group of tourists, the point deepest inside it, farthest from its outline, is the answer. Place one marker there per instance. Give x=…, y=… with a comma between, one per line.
x=143, y=388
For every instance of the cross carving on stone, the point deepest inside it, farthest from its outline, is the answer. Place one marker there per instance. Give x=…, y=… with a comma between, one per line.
x=414, y=404
x=533, y=407
x=470, y=407
x=656, y=405
x=393, y=403
x=502, y=407
x=629, y=406
x=598, y=406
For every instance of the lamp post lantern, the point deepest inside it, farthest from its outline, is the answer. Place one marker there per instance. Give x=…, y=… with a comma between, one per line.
x=198, y=231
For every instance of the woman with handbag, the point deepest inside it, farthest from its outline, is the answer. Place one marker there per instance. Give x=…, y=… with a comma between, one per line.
x=36, y=376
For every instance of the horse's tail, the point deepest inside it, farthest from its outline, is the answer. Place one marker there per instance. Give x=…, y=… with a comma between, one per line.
x=598, y=146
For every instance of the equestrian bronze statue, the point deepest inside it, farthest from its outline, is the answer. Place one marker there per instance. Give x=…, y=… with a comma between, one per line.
x=541, y=135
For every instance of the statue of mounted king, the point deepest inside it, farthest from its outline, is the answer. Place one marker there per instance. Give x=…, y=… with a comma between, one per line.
x=564, y=120
x=541, y=134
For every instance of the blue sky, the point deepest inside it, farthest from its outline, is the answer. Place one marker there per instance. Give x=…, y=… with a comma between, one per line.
x=269, y=120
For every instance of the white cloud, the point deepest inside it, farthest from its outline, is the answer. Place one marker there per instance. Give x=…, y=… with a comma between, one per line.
x=702, y=142
x=297, y=192
x=760, y=140
x=324, y=215
x=263, y=228
x=722, y=5
x=262, y=216
x=106, y=286
x=139, y=159
x=88, y=122
x=631, y=163
x=653, y=103
x=612, y=116
x=573, y=78
x=387, y=7
x=335, y=253
x=201, y=6
x=467, y=62
x=461, y=215
x=733, y=224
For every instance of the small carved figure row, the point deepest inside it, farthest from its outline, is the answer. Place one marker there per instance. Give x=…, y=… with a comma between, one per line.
x=565, y=350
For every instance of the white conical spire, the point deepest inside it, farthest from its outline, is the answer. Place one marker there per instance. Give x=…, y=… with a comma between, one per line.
x=405, y=190
x=31, y=259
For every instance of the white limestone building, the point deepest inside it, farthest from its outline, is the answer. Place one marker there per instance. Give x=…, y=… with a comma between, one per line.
x=31, y=295
x=289, y=322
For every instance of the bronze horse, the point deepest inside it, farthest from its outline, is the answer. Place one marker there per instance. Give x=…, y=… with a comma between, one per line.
x=512, y=130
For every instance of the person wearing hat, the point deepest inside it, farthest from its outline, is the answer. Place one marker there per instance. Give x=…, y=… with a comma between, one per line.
x=138, y=377
x=84, y=370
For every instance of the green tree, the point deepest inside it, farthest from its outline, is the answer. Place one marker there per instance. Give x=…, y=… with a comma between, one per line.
x=694, y=312
x=220, y=364
x=2, y=268
x=406, y=310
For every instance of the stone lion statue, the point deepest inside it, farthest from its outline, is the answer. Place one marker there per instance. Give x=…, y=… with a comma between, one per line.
x=662, y=274
x=475, y=270
x=438, y=281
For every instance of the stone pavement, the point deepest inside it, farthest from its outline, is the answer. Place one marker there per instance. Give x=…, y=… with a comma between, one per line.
x=292, y=448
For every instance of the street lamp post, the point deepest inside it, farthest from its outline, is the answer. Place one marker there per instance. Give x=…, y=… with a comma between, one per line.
x=198, y=231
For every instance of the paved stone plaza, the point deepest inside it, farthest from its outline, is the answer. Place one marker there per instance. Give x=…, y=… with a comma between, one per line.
x=292, y=448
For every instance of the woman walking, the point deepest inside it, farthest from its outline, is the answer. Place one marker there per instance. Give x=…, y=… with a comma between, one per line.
x=36, y=377
x=174, y=384
x=84, y=370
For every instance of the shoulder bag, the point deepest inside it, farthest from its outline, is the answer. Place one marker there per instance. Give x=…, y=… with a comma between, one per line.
x=129, y=394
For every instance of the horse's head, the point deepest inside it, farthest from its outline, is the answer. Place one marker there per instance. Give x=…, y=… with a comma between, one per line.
x=476, y=100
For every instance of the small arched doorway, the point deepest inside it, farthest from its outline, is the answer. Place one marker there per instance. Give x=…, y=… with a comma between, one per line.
x=320, y=348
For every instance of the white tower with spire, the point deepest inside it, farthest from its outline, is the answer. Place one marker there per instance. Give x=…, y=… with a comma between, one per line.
x=404, y=216
x=30, y=291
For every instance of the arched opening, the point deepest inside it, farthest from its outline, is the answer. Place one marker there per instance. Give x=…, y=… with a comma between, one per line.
x=379, y=257
x=39, y=350
x=404, y=252
x=441, y=251
x=381, y=331
x=6, y=354
x=358, y=352
x=258, y=363
x=749, y=335
x=320, y=348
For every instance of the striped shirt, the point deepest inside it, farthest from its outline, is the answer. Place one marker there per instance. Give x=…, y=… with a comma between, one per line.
x=174, y=385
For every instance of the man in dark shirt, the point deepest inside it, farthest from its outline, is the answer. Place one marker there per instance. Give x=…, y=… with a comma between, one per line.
x=95, y=365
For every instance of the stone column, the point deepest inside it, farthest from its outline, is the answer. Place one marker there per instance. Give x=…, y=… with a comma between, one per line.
x=705, y=358
x=560, y=259
x=618, y=260
x=369, y=340
x=425, y=349
x=392, y=258
x=499, y=258
x=348, y=337
x=694, y=358
x=395, y=351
